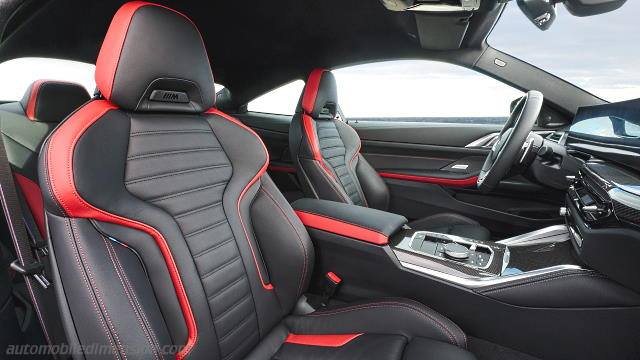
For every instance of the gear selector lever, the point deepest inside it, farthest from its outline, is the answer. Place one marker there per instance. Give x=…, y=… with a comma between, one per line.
x=469, y=252
x=456, y=251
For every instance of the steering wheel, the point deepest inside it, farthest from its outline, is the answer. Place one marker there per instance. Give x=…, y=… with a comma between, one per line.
x=510, y=141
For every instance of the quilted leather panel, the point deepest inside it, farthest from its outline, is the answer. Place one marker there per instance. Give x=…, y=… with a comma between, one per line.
x=334, y=152
x=182, y=168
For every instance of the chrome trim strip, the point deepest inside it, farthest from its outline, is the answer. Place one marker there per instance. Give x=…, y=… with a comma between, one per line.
x=526, y=147
x=505, y=259
x=576, y=236
x=478, y=282
x=548, y=235
x=483, y=141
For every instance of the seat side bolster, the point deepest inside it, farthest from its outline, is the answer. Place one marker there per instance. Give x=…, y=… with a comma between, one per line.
x=374, y=188
x=325, y=186
x=284, y=243
x=110, y=299
x=352, y=145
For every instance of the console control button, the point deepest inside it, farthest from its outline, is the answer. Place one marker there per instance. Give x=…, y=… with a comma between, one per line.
x=456, y=251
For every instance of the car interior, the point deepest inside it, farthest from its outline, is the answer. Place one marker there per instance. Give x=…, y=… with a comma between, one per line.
x=159, y=207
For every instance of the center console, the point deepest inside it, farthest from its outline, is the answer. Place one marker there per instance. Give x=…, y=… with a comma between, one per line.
x=490, y=288
x=525, y=270
x=477, y=264
x=603, y=217
x=466, y=255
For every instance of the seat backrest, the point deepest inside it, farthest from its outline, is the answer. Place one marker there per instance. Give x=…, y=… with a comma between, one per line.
x=326, y=150
x=167, y=233
x=25, y=124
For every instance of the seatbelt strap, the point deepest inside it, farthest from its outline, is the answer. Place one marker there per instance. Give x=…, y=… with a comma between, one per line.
x=26, y=264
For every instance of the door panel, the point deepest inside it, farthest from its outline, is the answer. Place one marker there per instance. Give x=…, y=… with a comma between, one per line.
x=423, y=160
x=426, y=177
x=453, y=134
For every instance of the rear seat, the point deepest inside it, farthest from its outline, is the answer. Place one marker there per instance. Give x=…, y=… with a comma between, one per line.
x=25, y=124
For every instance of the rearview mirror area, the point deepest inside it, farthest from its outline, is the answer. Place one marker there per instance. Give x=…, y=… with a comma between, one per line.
x=542, y=13
x=592, y=7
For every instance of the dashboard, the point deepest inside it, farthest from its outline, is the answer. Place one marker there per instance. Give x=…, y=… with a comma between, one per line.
x=597, y=160
x=610, y=132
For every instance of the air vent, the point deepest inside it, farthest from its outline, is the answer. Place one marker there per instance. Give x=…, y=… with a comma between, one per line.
x=444, y=6
x=555, y=137
x=432, y=6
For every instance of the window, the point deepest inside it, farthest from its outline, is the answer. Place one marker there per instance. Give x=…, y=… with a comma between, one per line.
x=282, y=100
x=424, y=91
x=17, y=74
x=598, y=53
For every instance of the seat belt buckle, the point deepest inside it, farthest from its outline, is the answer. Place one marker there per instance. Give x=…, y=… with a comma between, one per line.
x=331, y=284
x=34, y=270
x=41, y=247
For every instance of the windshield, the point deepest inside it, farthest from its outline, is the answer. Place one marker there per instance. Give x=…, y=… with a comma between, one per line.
x=599, y=53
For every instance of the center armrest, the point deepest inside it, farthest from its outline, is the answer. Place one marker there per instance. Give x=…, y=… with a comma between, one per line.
x=352, y=221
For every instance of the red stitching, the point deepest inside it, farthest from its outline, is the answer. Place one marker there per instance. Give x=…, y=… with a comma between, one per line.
x=135, y=299
x=304, y=249
x=128, y=292
x=82, y=270
x=255, y=179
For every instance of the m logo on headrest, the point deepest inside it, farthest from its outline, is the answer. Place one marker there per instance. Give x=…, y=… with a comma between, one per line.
x=169, y=96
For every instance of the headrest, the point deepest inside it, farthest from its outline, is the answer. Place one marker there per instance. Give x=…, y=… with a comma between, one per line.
x=52, y=101
x=153, y=59
x=320, y=95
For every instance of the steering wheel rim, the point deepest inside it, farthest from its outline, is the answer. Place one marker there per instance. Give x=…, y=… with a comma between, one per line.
x=511, y=139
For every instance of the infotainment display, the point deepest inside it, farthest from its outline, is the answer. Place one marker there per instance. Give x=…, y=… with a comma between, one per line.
x=616, y=123
x=610, y=132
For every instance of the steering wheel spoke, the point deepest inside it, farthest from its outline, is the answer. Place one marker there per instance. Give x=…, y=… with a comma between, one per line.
x=509, y=145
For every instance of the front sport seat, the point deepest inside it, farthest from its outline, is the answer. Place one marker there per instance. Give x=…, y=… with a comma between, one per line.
x=169, y=238
x=326, y=153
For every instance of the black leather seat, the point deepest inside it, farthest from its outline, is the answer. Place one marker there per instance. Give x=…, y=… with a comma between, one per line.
x=170, y=238
x=326, y=153
x=26, y=123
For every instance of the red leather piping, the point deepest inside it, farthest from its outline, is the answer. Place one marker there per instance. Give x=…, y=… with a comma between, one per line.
x=311, y=90
x=472, y=181
x=282, y=168
x=308, y=102
x=321, y=340
x=341, y=227
x=261, y=172
x=60, y=168
x=33, y=197
x=30, y=111
x=312, y=136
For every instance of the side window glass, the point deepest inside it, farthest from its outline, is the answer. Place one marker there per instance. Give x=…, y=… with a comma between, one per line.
x=422, y=91
x=282, y=100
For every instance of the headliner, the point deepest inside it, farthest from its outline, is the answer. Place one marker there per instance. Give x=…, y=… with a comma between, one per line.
x=254, y=46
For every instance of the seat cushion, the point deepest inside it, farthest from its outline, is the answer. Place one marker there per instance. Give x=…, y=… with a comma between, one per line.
x=393, y=328
x=453, y=224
